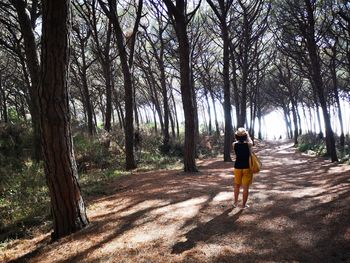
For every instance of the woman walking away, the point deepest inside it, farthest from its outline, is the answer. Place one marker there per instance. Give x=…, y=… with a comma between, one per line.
x=243, y=175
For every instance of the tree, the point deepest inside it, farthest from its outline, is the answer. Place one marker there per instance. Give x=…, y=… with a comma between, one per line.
x=222, y=11
x=248, y=30
x=126, y=60
x=82, y=63
x=180, y=20
x=68, y=208
x=157, y=41
x=101, y=31
x=26, y=18
x=300, y=34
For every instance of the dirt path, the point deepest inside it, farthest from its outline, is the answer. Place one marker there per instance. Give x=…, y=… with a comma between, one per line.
x=299, y=212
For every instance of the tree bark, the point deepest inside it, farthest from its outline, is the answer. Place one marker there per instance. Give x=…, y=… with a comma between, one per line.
x=209, y=112
x=32, y=62
x=84, y=78
x=179, y=13
x=336, y=92
x=128, y=84
x=3, y=101
x=68, y=208
x=222, y=16
x=317, y=79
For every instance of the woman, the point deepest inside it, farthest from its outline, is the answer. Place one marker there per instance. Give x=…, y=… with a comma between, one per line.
x=243, y=175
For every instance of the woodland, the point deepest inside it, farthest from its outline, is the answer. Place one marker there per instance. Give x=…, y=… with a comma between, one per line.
x=93, y=92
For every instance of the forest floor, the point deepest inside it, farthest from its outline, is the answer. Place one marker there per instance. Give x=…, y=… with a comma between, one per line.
x=299, y=212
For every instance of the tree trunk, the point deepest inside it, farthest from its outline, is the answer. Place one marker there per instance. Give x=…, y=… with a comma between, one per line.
x=172, y=124
x=3, y=101
x=234, y=84
x=128, y=97
x=108, y=112
x=287, y=121
x=108, y=78
x=227, y=103
x=165, y=97
x=217, y=129
x=245, y=68
x=180, y=25
x=175, y=115
x=86, y=93
x=32, y=62
x=336, y=94
x=318, y=82
x=187, y=97
x=68, y=208
x=299, y=121
x=195, y=113
x=295, y=122
x=155, y=122
x=209, y=113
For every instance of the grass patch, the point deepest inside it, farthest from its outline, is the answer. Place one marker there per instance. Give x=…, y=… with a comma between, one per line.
x=95, y=183
x=315, y=145
x=24, y=196
x=24, y=200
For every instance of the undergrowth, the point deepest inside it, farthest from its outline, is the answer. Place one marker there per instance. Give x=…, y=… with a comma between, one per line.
x=316, y=145
x=24, y=197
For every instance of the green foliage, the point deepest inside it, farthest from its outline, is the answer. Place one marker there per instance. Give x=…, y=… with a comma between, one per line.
x=344, y=153
x=15, y=139
x=24, y=198
x=13, y=115
x=96, y=183
x=153, y=155
x=90, y=152
x=314, y=144
x=210, y=146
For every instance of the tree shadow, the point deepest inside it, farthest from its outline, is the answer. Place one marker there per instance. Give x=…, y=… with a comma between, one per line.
x=150, y=196
x=219, y=225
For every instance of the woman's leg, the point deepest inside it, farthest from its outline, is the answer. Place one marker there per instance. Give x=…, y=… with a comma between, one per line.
x=245, y=195
x=236, y=193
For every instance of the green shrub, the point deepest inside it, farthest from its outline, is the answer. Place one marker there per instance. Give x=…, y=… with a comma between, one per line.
x=313, y=142
x=344, y=153
x=24, y=197
x=91, y=153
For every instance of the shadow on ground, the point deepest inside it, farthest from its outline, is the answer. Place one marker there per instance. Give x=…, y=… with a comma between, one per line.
x=299, y=212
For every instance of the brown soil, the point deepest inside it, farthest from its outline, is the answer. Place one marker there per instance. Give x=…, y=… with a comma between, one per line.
x=299, y=212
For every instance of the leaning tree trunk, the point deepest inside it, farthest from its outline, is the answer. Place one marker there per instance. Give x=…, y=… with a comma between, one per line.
x=317, y=79
x=227, y=103
x=166, y=137
x=32, y=62
x=128, y=97
x=208, y=110
x=68, y=207
x=3, y=102
x=217, y=129
x=175, y=114
x=336, y=95
x=187, y=97
x=108, y=79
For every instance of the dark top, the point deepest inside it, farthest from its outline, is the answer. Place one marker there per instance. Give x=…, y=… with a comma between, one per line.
x=242, y=155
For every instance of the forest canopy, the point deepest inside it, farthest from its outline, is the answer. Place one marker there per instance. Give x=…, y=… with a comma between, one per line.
x=117, y=84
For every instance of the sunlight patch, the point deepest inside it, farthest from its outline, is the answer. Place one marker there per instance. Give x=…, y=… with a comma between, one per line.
x=226, y=174
x=188, y=208
x=150, y=203
x=339, y=169
x=222, y=196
